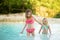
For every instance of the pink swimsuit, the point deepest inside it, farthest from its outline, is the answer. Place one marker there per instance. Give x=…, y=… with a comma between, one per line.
x=30, y=21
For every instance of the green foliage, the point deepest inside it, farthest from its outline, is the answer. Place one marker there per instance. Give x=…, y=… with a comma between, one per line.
x=19, y=5
x=14, y=6
x=57, y=16
x=4, y=7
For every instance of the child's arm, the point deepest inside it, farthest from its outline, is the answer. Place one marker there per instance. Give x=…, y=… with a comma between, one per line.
x=24, y=28
x=49, y=29
x=40, y=30
x=37, y=21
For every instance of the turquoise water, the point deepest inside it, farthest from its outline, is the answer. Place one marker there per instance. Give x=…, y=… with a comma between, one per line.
x=11, y=31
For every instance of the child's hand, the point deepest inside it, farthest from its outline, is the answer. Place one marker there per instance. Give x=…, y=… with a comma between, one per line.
x=21, y=32
x=39, y=32
x=50, y=33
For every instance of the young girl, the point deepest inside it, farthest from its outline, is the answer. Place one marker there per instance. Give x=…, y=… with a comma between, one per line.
x=45, y=27
x=29, y=23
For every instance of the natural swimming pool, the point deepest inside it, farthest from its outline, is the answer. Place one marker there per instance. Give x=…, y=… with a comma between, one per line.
x=11, y=31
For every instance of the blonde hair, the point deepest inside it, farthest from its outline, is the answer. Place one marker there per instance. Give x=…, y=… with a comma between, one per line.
x=46, y=22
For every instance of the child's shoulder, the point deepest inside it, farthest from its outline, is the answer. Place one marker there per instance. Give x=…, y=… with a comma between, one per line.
x=48, y=26
x=45, y=25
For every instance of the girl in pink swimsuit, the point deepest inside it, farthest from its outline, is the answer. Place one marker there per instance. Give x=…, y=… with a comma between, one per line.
x=29, y=23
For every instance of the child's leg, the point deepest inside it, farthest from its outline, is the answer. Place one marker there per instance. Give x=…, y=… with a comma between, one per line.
x=28, y=34
x=33, y=34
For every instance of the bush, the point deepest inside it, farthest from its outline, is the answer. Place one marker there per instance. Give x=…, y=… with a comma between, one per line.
x=57, y=16
x=14, y=6
x=4, y=9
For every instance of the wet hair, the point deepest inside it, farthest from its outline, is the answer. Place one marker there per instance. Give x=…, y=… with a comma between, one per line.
x=27, y=11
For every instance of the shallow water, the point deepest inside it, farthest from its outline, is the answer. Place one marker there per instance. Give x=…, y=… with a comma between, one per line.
x=11, y=31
